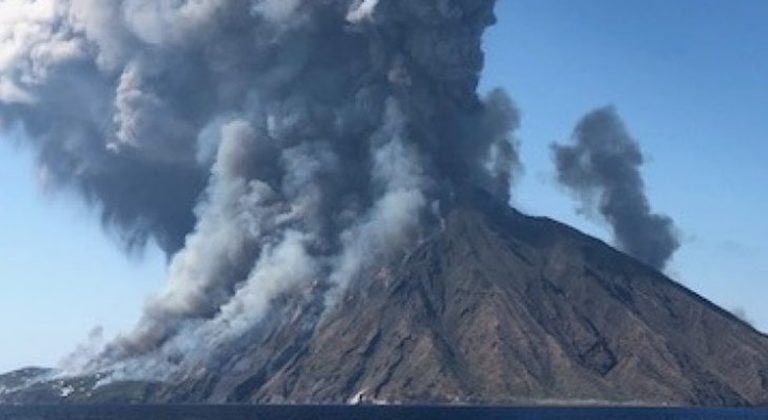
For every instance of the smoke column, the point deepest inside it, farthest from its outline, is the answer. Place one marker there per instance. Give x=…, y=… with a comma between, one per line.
x=268, y=146
x=602, y=168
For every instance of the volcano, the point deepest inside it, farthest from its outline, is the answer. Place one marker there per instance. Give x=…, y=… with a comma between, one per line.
x=493, y=307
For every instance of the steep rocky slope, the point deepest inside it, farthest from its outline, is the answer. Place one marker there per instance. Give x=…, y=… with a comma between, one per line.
x=498, y=306
x=495, y=306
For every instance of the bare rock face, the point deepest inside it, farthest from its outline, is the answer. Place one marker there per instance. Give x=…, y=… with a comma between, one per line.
x=494, y=307
x=501, y=307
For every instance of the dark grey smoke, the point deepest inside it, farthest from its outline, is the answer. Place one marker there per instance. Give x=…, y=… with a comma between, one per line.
x=603, y=168
x=267, y=145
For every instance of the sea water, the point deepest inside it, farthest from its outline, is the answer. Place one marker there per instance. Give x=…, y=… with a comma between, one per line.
x=239, y=412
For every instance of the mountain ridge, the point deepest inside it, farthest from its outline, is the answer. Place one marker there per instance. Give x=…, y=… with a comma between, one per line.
x=492, y=307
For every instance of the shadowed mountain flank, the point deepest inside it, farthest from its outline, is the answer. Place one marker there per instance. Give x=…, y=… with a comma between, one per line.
x=501, y=307
x=493, y=306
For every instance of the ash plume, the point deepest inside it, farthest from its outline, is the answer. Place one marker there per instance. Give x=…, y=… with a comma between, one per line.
x=602, y=168
x=268, y=146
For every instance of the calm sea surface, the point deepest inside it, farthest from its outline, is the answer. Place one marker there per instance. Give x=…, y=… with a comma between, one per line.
x=208, y=412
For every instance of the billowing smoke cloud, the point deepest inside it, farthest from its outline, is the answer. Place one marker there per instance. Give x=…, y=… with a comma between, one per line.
x=603, y=168
x=267, y=146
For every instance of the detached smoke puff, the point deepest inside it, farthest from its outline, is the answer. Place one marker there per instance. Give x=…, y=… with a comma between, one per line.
x=272, y=148
x=603, y=169
x=741, y=313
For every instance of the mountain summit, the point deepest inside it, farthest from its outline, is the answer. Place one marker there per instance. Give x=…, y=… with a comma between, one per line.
x=494, y=306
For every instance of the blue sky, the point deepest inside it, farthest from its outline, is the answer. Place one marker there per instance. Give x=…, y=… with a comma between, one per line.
x=689, y=77
x=60, y=275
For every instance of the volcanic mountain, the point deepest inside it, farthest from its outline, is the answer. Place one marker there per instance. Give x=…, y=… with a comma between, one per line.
x=495, y=306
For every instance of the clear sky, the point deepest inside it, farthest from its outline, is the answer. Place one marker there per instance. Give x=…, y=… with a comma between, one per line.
x=689, y=77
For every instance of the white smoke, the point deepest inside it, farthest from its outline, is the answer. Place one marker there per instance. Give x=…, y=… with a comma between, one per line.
x=31, y=44
x=277, y=10
x=272, y=148
x=395, y=215
x=141, y=116
x=362, y=10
